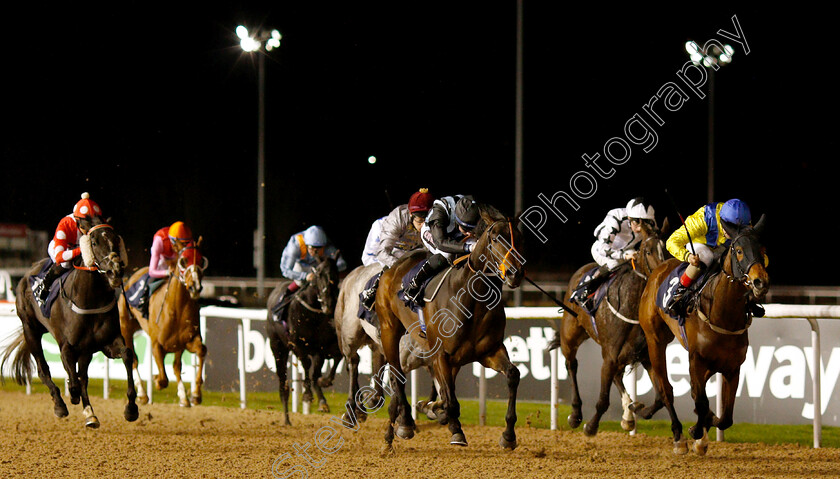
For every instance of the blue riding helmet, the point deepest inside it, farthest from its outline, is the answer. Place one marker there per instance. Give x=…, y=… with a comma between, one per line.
x=314, y=236
x=735, y=214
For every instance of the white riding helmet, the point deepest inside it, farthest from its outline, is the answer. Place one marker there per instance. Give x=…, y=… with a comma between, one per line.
x=636, y=209
x=314, y=236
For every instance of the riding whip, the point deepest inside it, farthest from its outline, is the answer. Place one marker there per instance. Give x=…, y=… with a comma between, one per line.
x=674, y=204
x=557, y=301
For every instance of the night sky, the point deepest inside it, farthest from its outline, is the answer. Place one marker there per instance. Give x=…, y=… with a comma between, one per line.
x=153, y=110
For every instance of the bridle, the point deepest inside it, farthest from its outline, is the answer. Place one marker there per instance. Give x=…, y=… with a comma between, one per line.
x=740, y=273
x=509, y=248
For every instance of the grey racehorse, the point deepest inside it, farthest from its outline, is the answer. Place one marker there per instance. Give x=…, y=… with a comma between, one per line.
x=355, y=333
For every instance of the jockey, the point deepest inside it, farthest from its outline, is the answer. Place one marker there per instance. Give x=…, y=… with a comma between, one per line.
x=394, y=235
x=447, y=232
x=64, y=247
x=303, y=251
x=617, y=240
x=709, y=230
x=167, y=244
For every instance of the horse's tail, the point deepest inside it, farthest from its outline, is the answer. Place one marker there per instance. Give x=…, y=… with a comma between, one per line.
x=554, y=343
x=22, y=362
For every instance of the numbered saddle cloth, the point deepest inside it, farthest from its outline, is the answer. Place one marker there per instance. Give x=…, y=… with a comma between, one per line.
x=669, y=286
x=363, y=312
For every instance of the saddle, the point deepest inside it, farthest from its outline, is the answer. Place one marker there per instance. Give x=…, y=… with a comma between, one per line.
x=670, y=284
x=54, y=288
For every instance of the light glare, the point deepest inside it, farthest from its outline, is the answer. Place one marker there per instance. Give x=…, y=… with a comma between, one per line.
x=241, y=32
x=371, y=159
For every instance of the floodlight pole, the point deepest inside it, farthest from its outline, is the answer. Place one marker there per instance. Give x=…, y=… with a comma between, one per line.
x=260, y=237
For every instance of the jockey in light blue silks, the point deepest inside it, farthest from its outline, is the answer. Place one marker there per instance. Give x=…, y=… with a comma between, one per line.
x=301, y=253
x=392, y=236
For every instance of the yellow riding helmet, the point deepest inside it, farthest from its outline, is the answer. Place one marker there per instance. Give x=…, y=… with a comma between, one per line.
x=180, y=232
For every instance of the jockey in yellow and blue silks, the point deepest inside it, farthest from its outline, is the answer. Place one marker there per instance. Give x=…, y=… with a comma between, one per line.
x=710, y=228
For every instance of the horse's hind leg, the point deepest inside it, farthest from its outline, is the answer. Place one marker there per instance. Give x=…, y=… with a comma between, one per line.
x=119, y=349
x=91, y=420
x=183, y=400
x=628, y=418
x=353, y=373
x=199, y=351
x=33, y=340
x=499, y=361
x=281, y=356
x=306, y=364
x=572, y=335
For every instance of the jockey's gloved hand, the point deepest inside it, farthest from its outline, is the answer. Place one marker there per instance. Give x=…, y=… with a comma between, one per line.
x=471, y=245
x=630, y=254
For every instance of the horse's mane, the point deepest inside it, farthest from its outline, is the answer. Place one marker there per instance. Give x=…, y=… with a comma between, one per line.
x=489, y=215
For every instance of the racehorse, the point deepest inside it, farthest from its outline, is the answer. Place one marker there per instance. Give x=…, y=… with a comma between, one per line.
x=307, y=331
x=354, y=333
x=614, y=327
x=715, y=333
x=173, y=324
x=465, y=322
x=83, y=320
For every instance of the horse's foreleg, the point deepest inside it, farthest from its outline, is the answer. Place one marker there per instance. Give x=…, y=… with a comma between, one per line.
x=306, y=364
x=33, y=340
x=183, y=400
x=199, y=351
x=161, y=381
x=500, y=362
x=317, y=366
x=728, y=389
x=281, y=356
x=91, y=420
x=608, y=372
x=130, y=360
x=628, y=418
x=572, y=335
x=69, y=359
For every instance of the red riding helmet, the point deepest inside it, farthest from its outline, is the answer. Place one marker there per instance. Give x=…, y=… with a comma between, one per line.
x=420, y=202
x=86, y=207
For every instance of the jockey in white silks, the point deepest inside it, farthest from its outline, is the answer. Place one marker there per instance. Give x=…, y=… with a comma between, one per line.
x=392, y=236
x=617, y=240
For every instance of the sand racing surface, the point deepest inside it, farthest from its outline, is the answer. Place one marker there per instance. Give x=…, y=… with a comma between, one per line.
x=209, y=441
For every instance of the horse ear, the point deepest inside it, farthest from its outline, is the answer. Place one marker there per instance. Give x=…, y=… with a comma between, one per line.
x=198, y=243
x=760, y=225
x=665, y=230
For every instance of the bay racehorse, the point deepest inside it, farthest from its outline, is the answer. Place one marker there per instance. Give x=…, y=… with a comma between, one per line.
x=83, y=319
x=307, y=330
x=715, y=333
x=615, y=328
x=354, y=333
x=174, y=323
x=465, y=323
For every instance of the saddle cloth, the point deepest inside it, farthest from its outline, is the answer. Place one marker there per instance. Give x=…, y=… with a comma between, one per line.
x=669, y=286
x=363, y=312
x=54, y=288
x=432, y=284
x=144, y=286
x=599, y=294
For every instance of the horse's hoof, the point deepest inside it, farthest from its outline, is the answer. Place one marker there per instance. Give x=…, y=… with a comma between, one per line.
x=75, y=399
x=184, y=402
x=325, y=382
x=323, y=407
x=131, y=412
x=509, y=445
x=404, y=432
x=628, y=425
x=695, y=433
x=458, y=439
x=287, y=422
x=195, y=400
x=423, y=408
x=92, y=422
x=574, y=420
x=681, y=446
x=142, y=399
x=61, y=411
x=590, y=429
x=307, y=397
x=636, y=406
x=387, y=451
x=701, y=446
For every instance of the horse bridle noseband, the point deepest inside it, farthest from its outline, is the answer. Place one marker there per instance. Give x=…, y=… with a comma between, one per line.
x=740, y=273
x=502, y=270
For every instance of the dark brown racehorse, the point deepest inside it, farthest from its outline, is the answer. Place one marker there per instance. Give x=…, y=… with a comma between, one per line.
x=465, y=323
x=308, y=332
x=616, y=330
x=83, y=320
x=716, y=333
x=174, y=323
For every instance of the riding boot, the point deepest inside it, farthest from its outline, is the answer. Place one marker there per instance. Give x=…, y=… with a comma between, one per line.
x=369, y=295
x=413, y=290
x=280, y=307
x=42, y=289
x=582, y=295
x=143, y=306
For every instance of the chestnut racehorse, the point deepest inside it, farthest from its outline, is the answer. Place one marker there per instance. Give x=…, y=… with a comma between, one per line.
x=174, y=323
x=615, y=328
x=715, y=333
x=465, y=323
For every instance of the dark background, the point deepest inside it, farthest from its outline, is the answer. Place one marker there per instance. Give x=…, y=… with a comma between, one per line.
x=152, y=108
